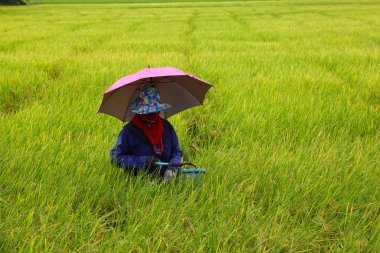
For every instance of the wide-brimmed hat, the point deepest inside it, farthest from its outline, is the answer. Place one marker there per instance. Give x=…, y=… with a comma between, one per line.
x=148, y=101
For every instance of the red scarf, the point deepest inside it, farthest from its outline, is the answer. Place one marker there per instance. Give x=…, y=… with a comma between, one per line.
x=151, y=125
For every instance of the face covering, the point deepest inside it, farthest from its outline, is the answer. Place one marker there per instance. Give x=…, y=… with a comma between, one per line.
x=152, y=126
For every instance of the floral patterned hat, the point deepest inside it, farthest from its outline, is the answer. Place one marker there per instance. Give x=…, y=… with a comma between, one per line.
x=148, y=101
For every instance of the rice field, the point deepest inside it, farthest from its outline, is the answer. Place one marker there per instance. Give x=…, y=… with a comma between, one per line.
x=289, y=134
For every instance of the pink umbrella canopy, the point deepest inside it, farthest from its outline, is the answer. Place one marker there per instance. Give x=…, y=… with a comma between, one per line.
x=177, y=88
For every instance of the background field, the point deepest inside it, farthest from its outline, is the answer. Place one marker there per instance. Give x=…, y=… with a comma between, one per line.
x=119, y=1
x=289, y=134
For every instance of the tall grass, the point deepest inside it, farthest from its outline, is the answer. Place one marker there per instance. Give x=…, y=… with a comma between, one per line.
x=289, y=134
x=121, y=1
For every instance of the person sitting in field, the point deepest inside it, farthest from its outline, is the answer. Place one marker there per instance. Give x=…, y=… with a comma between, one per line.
x=147, y=138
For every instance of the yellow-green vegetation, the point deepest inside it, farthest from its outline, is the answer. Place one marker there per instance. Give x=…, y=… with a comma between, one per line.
x=118, y=1
x=289, y=134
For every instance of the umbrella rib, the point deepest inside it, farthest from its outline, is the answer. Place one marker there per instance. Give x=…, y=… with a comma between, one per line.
x=114, y=91
x=106, y=100
x=159, y=79
x=129, y=102
x=185, y=90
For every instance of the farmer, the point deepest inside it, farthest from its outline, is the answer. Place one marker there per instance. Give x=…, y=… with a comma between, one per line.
x=147, y=138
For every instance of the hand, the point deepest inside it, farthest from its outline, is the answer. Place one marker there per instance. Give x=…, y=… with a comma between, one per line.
x=173, y=168
x=170, y=173
x=150, y=162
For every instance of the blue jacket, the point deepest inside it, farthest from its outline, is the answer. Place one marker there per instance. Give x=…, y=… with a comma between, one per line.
x=131, y=151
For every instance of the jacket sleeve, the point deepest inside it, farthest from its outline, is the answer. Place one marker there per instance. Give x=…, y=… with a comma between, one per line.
x=176, y=152
x=120, y=154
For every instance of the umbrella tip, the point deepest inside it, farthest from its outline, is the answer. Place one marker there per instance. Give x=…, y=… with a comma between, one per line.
x=148, y=66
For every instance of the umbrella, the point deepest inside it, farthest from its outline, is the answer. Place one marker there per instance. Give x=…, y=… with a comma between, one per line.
x=177, y=88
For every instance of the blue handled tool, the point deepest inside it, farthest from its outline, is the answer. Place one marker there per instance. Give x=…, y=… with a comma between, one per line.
x=196, y=171
x=185, y=171
x=192, y=173
x=162, y=164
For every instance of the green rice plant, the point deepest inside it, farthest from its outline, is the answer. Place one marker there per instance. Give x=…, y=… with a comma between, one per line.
x=289, y=134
